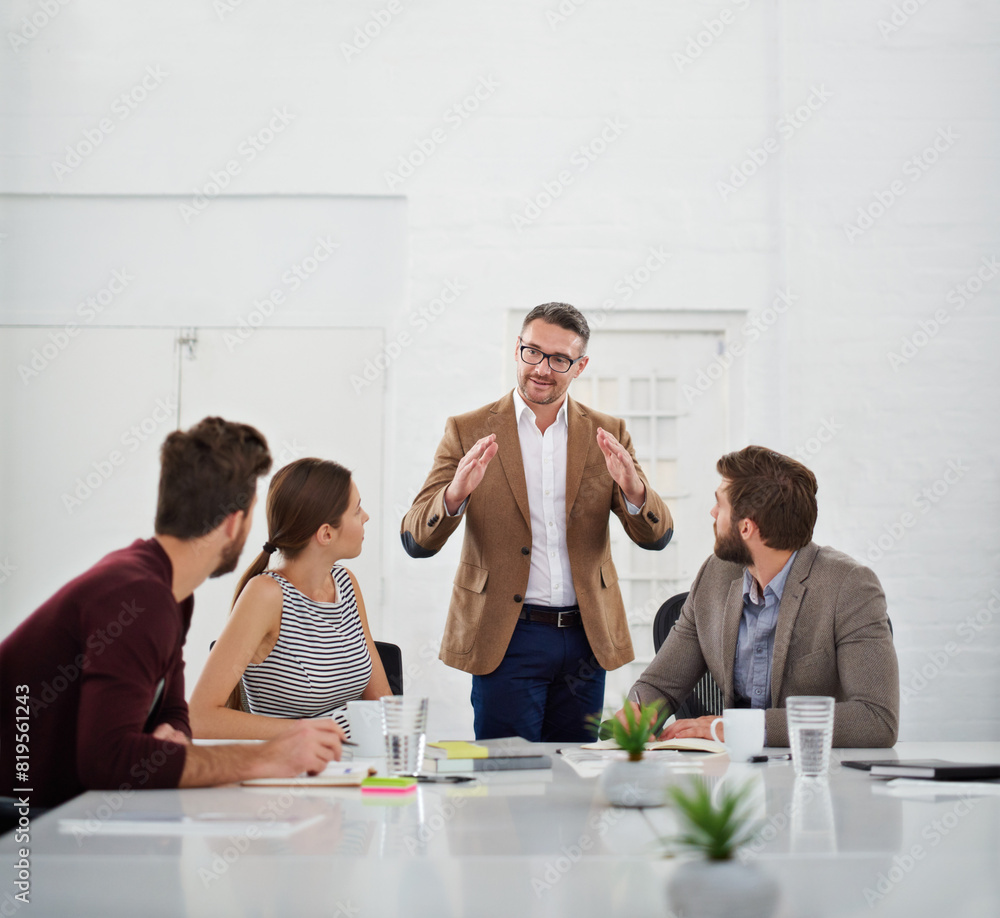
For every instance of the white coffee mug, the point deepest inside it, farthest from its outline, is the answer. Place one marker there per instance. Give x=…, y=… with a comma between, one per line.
x=744, y=732
x=365, y=721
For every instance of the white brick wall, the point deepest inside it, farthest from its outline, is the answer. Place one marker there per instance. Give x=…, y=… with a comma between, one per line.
x=685, y=127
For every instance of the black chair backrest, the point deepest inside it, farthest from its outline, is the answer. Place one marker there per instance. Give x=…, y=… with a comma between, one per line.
x=665, y=619
x=392, y=662
x=706, y=697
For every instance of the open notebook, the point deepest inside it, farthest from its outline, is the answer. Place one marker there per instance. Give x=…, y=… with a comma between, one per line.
x=686, y=744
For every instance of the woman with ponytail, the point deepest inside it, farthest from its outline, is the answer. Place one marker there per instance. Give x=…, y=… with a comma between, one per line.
x=298, y=636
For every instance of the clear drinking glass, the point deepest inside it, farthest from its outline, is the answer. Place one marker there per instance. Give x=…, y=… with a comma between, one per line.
x=404, y=725
x=810, y=733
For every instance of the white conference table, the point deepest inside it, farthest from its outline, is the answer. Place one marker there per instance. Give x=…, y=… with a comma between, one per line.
x=525, y=844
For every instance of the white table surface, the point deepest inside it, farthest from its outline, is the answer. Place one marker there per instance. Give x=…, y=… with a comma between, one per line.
x=524, y=844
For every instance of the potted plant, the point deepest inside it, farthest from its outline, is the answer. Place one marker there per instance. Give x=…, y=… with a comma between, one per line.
x=717, y=884
x=634, y=781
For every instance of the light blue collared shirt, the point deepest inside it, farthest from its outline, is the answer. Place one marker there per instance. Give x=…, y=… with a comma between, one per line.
x=755, y=643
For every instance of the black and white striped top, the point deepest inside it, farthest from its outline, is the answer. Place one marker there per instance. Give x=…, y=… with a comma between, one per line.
x=320, y=660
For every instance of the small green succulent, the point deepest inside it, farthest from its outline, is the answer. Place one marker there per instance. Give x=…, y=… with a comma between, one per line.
x=637, y=730
x=716, y=828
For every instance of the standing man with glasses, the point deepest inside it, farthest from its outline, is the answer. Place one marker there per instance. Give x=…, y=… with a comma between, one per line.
x=536, y=614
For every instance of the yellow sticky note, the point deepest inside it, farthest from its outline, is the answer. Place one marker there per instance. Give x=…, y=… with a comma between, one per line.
x=460, y=749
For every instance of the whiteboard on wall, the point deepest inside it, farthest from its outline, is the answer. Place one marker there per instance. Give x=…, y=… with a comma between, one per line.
x=259, y=260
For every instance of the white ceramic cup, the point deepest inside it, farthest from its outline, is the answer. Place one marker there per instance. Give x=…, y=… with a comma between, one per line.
x=365, y=721
x=744, y=732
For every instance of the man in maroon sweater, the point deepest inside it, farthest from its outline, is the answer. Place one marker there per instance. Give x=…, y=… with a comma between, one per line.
x=92, y=683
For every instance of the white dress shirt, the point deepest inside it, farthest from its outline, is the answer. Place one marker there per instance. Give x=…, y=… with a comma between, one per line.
x=550, y=581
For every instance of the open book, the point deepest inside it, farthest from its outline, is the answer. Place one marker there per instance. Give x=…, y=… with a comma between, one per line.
x=336, y=774
x=684, y=744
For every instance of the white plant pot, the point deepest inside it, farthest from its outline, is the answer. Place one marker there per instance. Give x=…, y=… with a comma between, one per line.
x=722, y=889
x=642, y=783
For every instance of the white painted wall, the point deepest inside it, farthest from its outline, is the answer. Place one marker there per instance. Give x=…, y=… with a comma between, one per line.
x=683, y=94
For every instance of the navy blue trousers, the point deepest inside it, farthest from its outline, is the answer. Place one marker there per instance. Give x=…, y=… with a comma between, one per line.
x=544, y=689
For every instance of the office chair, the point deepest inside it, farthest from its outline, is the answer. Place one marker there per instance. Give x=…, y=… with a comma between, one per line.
x=706, y=697
x=392, y=662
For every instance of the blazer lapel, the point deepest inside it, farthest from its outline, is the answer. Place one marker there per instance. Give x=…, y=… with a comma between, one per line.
x=730, y=634
x=580, y=436
x=788, y=611
x=504, y=425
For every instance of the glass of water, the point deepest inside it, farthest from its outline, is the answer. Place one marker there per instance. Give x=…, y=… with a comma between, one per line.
x=404, y=725
x=810, y=733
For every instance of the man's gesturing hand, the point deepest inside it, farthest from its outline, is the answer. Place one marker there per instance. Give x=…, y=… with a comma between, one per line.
x=622, y=468
x=469, y=473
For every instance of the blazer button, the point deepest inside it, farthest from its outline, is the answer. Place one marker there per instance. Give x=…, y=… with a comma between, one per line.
x=518, y=597
x=525, y=551
x=433, y=520
x=652, y=517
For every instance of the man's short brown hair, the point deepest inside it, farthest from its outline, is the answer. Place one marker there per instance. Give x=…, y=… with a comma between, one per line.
x=206, y=473
x=563, y=315
x=775, y=491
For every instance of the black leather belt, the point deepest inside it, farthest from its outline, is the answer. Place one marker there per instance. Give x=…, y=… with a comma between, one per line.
x=560, y=616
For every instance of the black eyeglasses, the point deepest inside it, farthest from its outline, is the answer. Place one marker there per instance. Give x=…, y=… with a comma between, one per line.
x=558, y=363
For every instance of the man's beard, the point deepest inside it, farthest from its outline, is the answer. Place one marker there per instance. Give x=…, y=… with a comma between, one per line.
x=730, y=547
x=230, y=556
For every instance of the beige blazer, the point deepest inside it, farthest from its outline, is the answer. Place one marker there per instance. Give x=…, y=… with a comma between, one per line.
x=832, y=638
x=492, y=574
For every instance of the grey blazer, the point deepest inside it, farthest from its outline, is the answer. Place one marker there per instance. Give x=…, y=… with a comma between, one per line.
x=832, y=638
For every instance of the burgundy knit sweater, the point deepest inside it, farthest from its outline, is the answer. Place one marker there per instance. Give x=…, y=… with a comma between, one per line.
x=90, y=660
